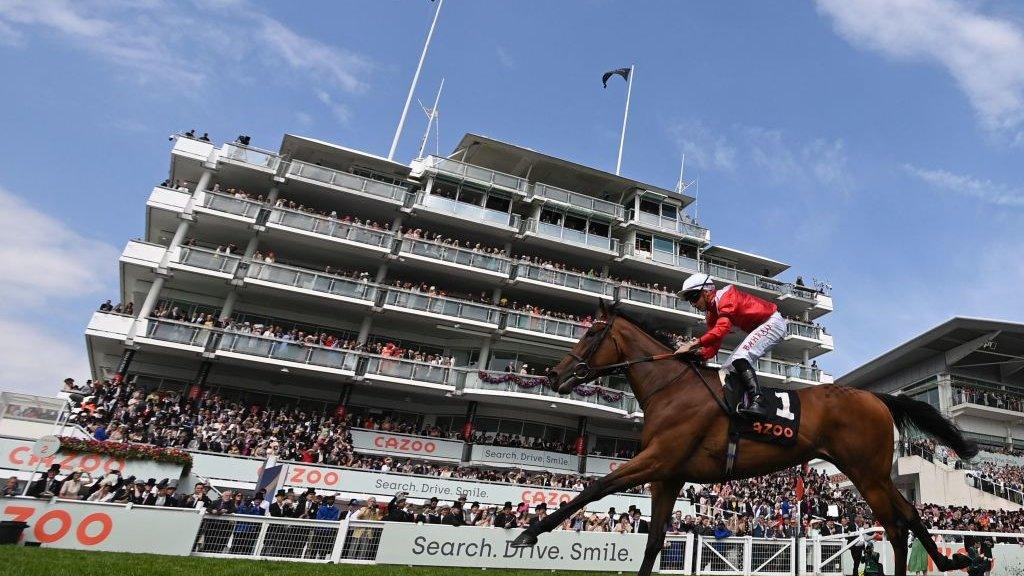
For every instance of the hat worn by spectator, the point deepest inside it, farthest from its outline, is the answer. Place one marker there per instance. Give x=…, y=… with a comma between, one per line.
x=541, y=506
x=353, y=502
x=507, y=504
x=280, y=494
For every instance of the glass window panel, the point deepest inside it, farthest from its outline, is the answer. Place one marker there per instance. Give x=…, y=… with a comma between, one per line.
x=668, y=211
x=510, y=427
x=643, y=243
x=664, y=245
x=444, y=189
x=499, y=203
x=471, y=195
x=599, y=228
x=550, y=217
x=486, y=425
x=649, y=206
x=575, y=223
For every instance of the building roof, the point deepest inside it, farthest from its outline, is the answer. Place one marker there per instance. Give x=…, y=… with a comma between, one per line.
x=332, y=155
x=962, y=340
x=748, y=260
x=518, y=160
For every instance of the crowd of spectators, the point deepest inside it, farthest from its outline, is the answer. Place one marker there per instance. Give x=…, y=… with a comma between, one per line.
x=987, y=397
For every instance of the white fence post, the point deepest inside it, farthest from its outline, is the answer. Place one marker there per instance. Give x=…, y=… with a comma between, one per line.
x=339, y=541
x=688, y=553
x=748, y=555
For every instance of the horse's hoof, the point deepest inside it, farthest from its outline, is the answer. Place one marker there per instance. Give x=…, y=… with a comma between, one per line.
x=524, y=540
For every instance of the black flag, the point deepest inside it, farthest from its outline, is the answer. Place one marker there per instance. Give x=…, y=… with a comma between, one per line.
x=624, y=72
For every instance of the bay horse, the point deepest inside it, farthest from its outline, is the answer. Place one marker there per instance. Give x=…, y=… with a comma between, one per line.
x=684, y=437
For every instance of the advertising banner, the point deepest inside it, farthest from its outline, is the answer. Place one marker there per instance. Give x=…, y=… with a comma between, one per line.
x=105, y=527
x=525, y=458
x=16, y=454
x=601, y=465
x=375, y=442
x=386, y=484
x=463, y=546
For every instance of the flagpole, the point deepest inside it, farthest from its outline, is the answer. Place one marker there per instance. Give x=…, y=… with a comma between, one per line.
x=415, y=80
x=430, y=120
x=625, y=118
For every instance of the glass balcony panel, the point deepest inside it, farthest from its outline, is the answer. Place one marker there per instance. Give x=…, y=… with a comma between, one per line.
x=246, y=344
x=322, y=284
x=254, y=156
x=230, y=204
x=209, y=260
x=574, y=236
x=536, y=385
x=331, y=358
x=463, y=256
x=178, y=333
x=300, y=221
x=469, y=211
x=289, y=351
x=347, y=180
x=477, y=173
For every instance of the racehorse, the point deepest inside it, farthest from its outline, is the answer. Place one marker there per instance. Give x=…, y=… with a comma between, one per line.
x=684, y=438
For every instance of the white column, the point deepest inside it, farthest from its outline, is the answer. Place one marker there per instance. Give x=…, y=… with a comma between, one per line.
x=147, y=307
x=364, y=329
x=229, y=306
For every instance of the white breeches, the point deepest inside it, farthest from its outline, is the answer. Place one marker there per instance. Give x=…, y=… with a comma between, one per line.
x=759, y=341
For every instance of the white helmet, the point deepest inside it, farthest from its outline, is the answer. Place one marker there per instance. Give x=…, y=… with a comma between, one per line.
x=696, y=282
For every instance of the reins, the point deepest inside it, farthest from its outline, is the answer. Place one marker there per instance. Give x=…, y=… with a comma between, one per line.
x=583, y=370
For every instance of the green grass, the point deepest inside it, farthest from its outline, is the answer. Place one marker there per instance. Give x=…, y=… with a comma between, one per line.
x=22, y=561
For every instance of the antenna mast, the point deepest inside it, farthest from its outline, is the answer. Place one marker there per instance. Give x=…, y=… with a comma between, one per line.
x=432, y=116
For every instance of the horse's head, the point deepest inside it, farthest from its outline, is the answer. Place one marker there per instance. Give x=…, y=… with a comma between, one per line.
x=596, y=348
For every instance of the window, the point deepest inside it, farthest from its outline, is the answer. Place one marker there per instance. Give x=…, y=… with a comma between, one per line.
x=649, y=207
x=575, y=223
x=471, y=195
x=598, y=228
x=643, y=243
x=687, y=250
x=550, y=217
x=444, y=189
x=668, y=211
x=662, y=244
x=489, y=425
x=514, y=427
x=498, y=203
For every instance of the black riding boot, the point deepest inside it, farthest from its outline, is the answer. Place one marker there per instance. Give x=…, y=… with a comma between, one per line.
x=748, y=376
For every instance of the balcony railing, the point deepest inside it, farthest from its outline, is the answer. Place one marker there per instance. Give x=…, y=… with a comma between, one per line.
x=331, y=227
x=592, y=284
x=535, y=385
x=463, y=256
x=670, y=224
x=230, y=204
x=411, y=370
x=461, y=170
x=656, y=298
x=309, y=280
x=209, y=259
x=668, y=258
x=781, y=369
x=744, y=277
x=347, y=181
x=578, y=200
x=795, y=328
x=250, y=155
x=288, y=351
x=178, y=332
x=577, y=237
x=545, y=325
x=969, y=392
x=801, y=292
x=443, y=305
x=467, y=211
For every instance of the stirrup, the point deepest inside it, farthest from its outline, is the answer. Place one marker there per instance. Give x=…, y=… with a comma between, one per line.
x=755, y=408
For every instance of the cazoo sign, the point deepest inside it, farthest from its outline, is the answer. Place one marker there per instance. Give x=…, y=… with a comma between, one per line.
x=373, y=441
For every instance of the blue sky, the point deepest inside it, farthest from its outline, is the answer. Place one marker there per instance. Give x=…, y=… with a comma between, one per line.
x=875, y=144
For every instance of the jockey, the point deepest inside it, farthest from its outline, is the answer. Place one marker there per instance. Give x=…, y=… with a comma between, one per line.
x=760, y=319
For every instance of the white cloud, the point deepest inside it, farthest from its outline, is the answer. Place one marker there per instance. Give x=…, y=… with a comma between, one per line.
x=704, y=149
x=50, y=272
x=37, y=361
x=984, y=190
x=505, y=59
x=982, y=53
x=339, y=110
x=183, y=47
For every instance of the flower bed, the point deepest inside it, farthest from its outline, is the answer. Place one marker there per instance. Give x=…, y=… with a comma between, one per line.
x=126, y=450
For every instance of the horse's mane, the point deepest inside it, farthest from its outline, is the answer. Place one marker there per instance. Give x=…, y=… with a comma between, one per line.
x=655, y=328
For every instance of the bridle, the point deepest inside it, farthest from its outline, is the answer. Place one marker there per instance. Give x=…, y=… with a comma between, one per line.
x=584, y=372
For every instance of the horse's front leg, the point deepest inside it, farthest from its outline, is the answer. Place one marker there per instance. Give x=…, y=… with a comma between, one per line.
x=663, y=499
x=644, y=467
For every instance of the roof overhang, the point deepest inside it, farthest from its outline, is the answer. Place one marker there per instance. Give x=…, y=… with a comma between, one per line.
x=519, y=161
x=964, y=342
x=748, y=261
x=334, y=156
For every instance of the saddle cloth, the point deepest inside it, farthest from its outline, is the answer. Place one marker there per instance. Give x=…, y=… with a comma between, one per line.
x=780, y=428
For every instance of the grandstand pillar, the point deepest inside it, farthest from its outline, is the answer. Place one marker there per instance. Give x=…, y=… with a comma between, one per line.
x=496, y=295
x=346, y=394
x=229, y=306
x=483, y=358
x=272, y=196
x=122, y=366
x=581, y=443
x=196, y=390
x=467, y=431
x=147, y=307
x=945, y=393
x=364, y=329
x=807, y=358
x=382, y=273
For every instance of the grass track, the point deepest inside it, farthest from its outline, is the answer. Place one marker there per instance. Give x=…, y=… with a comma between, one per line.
x=21, y=561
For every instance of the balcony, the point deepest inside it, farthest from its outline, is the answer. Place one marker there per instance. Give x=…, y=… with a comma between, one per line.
x=564, y=331
x=183, y=333
x=339, y=287
x=250, y=156
x=259, y=348
x=576, y=200
x=572, y=281
x=346, y=182
x=489, y=178
x=669, y=259
x=664, y=224
x=466, y=211
x=409, y=371
x=207, y=259
x=483, y=315
x=749, y=279
x=463, y=257
x=225, y=203
x=346, y=232
x=575, y=237
x=780, y=372
x=502, y=384
x=973, y=398
x=653, y=298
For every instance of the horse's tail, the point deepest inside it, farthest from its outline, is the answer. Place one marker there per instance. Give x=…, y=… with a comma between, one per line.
x=909, y=413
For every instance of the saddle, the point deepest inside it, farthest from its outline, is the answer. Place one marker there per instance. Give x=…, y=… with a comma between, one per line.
x=780, y=428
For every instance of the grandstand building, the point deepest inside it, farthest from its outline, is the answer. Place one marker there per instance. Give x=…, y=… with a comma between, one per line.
x=972, y=370
x=437, y=291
